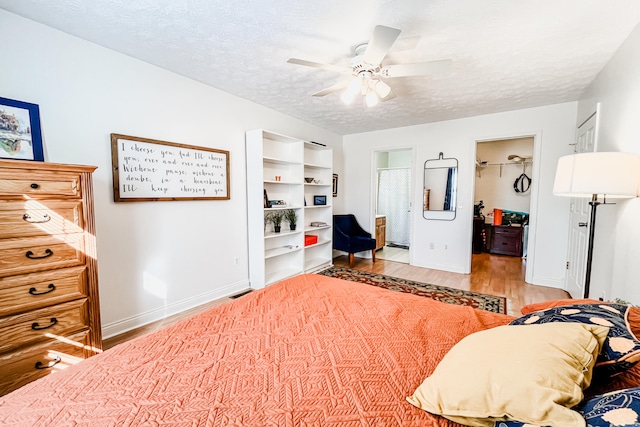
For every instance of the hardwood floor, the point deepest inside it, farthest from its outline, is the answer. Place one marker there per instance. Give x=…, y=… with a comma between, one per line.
x=490, y=274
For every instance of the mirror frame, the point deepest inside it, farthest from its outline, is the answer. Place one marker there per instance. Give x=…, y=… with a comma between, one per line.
x=441, y=163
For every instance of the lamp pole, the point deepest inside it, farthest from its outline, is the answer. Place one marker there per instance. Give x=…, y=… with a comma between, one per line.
x=592, y=228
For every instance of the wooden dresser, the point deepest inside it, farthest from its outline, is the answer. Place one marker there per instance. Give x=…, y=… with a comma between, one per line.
x=49, y=308
x=504, y=240
x=381, y=231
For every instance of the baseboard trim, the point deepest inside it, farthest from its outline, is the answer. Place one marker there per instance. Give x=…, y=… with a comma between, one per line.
x=550, y=282
x=443, y=267
x=125, y=325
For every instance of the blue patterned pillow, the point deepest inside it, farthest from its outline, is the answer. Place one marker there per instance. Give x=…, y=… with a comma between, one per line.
x=619, y=408
x=621, y=349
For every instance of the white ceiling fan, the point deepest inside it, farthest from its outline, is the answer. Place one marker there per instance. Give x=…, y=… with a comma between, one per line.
x=367, y=70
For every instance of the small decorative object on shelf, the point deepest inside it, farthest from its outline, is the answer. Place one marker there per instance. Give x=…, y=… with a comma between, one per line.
x=276, y=218
x=318, y=224
x=266, y=199
x=320, y=200
x=292, y=218
x=310, y=239
x=308, y=180
x=277, y=203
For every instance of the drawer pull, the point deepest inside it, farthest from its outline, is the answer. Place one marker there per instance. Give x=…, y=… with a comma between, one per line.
x=28, y=218
x=54, y=362
x=47, y=253
x=36, y=326
x=34, y=291
x=34, y=185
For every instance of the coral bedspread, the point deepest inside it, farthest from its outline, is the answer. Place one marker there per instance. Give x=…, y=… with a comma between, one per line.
x=309, y=351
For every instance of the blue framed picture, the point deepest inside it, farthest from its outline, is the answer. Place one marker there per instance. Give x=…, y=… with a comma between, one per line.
x=20, y=133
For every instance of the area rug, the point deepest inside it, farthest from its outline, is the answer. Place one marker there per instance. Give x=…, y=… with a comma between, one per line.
x=439, y=293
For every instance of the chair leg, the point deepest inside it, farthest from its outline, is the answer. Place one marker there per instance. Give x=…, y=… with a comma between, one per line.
x=373, y=254
x=351, y=260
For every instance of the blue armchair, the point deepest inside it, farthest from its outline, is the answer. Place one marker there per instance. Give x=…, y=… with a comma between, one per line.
x=349, y=237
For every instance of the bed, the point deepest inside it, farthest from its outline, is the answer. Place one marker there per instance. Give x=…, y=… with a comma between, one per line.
x=308, y=351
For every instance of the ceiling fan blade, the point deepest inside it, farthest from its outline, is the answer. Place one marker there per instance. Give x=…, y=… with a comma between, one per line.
x=336, y=87
x=336, y=68
x=418, y=69
x=380, y=43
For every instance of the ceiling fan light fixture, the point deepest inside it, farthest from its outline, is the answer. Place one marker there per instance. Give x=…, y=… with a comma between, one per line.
x=382, y=89
x=352, y=90
x=371, y=99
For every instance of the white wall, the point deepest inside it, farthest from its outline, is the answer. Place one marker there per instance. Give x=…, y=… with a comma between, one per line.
x=553, y=127
x=154, y=258
x=616, y=269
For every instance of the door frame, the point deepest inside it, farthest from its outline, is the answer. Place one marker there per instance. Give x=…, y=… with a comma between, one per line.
x=374, y=188
x=533, y=204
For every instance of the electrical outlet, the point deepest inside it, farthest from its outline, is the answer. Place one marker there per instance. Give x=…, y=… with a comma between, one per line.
x=236, y=260
x=432, y=245
x=446, y=246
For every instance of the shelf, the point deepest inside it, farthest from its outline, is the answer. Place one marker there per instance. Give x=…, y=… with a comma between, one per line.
x=310, y=228
x=316, y=166
x=320, y=243
x=316, y=264
x=271, y=234
x=273, y=181
x=277, y=256
x=272, y=253
x=277, y=161
x=276, y=276
x=282, y=208
x=313, y=146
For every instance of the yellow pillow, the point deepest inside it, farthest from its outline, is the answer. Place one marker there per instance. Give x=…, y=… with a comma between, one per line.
x=528, y=373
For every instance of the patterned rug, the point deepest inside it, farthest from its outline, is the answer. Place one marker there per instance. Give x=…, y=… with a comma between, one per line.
x=439, y=293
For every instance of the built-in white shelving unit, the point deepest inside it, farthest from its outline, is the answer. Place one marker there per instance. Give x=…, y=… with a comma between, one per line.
x=278, y=165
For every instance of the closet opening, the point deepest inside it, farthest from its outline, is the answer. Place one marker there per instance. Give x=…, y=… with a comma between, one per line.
x=502, y=204
x=392, y=207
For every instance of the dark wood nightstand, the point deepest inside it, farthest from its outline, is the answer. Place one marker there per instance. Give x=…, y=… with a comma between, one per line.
x=504, y=240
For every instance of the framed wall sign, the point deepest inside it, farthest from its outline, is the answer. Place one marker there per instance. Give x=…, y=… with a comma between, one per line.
x=335, y=185
x=149, y=170
x=319, y=200
x=20, y=134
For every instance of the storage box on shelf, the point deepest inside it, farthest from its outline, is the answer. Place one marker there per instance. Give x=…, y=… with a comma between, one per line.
x=277, y=166
x=49, y=309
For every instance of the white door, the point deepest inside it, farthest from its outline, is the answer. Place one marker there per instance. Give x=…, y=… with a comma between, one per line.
x=579, y=217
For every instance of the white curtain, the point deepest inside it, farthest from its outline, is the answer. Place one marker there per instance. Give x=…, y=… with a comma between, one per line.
x=394, y=202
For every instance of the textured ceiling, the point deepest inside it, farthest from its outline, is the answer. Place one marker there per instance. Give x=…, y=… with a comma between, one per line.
x=506, y=54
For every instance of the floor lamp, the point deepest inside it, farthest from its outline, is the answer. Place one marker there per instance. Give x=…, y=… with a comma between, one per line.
x=610, y=175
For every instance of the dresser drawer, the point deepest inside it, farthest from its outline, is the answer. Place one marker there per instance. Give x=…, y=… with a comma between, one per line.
x=40, y=325
x=17, y=182
x=508, y=231
x=37, y=290
x=40, y=218
x=32, y=254
x=21, y=367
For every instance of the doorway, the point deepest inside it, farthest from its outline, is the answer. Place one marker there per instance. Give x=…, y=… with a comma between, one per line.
x=393, y=204
x=502, y=198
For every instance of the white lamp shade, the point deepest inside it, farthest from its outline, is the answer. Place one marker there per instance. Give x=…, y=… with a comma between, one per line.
x=611, y=174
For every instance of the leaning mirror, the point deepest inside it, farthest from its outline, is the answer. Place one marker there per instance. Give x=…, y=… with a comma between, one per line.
x=439, y=194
